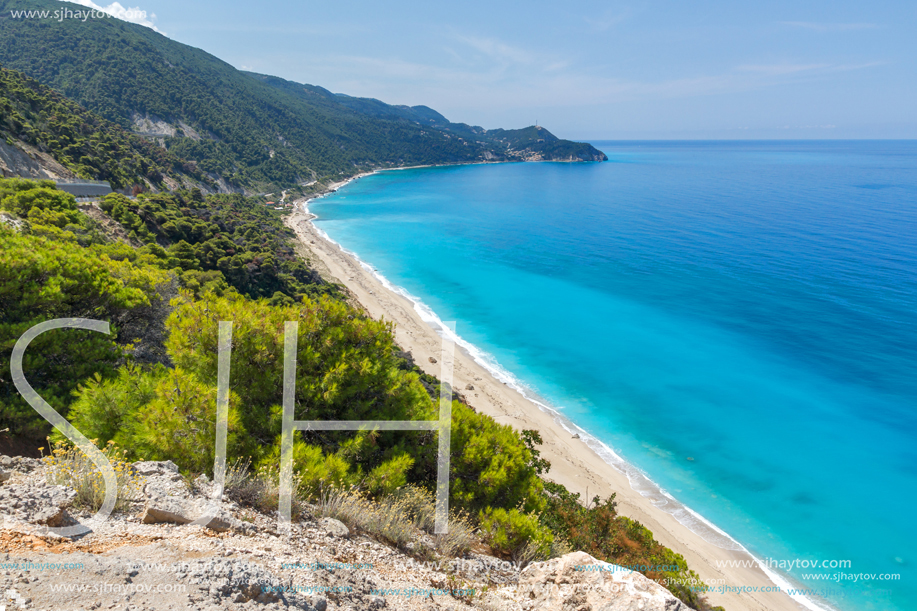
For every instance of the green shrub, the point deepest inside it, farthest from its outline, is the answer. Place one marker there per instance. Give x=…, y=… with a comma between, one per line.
x=313, y=470
x=179, y=423
x=346, y=368
x=491, y=465
x=103, y=408
x=598, y=530
x=389, y=476
x=42, y=279
x=516, y=534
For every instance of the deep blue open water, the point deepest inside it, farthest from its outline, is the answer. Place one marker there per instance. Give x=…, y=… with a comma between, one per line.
x=736, y=319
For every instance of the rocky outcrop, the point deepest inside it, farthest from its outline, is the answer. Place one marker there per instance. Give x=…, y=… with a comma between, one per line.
x=147, y=125
x=21, y=464
x=150, y=557
x=168, y=498
x=21, y=159
x=30, y=501
x=578, y=581
x=11, y=221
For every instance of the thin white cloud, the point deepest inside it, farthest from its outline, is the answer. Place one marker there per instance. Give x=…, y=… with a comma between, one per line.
x=780, y=69
x=830, y=27
x=860, y=66
x=498, y=50
x=132, y=15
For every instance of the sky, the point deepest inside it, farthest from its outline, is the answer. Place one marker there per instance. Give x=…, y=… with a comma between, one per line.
x=585, y=70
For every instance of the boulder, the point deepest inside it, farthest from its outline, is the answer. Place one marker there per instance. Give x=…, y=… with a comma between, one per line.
x=335, y=528
x=156, y=467
x=579, y=581
x=601, y=585
x=168, y=498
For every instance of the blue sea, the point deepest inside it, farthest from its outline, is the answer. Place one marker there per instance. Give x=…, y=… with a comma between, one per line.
x=737, y=320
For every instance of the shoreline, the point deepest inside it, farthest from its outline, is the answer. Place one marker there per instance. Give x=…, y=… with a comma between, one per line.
x=581, y=462
x=334, y=186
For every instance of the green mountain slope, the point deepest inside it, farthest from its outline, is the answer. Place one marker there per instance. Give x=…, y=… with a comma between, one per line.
x=82, y=142
x=252, y=131
x=533, y=142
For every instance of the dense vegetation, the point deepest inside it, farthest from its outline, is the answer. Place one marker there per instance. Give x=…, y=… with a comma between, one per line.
x=598, y=530
x=218, y=241
x=61, y=267
x=79, y=140
x=494, y=144
x=248, y=129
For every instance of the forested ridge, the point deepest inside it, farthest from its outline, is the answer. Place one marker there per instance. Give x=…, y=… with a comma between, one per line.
x=250, y=130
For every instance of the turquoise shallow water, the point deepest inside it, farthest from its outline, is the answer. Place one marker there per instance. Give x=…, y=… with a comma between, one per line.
x=749, y=305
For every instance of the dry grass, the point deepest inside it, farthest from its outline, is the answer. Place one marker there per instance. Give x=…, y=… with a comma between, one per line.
x=399, y=518
x=259, y=489
x=460, y=538
x=560, y=547
x=386, y=519
x=419, y=504
x=69, y=466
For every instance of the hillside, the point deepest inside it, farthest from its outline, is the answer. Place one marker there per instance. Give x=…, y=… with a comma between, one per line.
x=37, y=123
x=528, y=144
x=248, y=130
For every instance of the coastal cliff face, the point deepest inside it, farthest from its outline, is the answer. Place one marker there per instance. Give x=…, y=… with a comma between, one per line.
x=20, y=159
x=149, y=558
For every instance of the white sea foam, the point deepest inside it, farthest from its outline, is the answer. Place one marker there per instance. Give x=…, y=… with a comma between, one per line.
x=638, y=480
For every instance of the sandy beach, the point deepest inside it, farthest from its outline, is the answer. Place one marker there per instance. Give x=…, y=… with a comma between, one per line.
x=573, y=463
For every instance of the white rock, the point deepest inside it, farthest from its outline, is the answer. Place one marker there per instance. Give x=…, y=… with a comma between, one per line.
x=335, y=528
x=579, y=581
